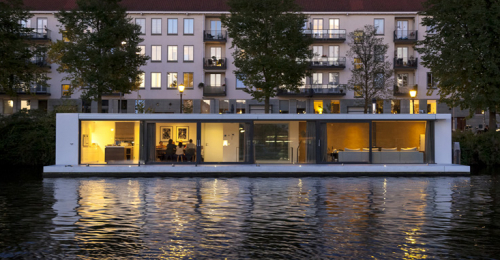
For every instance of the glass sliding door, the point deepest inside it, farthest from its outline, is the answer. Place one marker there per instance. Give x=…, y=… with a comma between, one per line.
x=284, y=142
x=344, y=142
x=225, y=142
x=171, y=142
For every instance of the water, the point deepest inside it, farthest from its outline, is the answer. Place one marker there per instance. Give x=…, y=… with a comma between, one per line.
x=256, y=218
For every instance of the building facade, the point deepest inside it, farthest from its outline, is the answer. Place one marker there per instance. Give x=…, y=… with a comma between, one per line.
x=188, y=46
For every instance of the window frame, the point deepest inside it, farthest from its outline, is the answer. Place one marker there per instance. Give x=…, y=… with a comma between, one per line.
x=151, y=83
x=155, y=56
x=152, y=27
x=383, y=26
x=176, y=26
x=143, y=28
x=184, y=53
x=184, y=25
x=176, y=53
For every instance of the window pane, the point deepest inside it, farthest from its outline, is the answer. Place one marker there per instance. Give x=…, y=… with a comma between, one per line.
x=239, y=84
x=65, y=90
x=225, y=142
x=8, y=107
x=97, y=136
x=188, y=79
x=205, y=106
x=141, y=22
x=156, y=26
x=345, y=142
x=379, y=25
x=188, y=53
x=188, y=26
x=172, y=26
x=172, y=53
x=142, y=50
x=142, y=80
x=215, y=80
x=172, y=79
x=156, y=53
x=155, y=80
x=398, y=142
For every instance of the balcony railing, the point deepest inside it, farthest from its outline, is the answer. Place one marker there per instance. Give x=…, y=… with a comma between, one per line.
x=214, y=36
x=36, y=34
x=35, y=89
x=400, y=63
x=327, y=35
x=214, y=64
x=41, y=61
x=316, y=89
x=210, y=91
x=328, y=62
x=404, y=90
x=405, y=36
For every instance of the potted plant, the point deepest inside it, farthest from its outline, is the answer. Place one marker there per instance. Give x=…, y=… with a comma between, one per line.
x=201, y=85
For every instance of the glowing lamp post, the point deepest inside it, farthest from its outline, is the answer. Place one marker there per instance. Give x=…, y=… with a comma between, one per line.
x=181, y=90
x=413, y=94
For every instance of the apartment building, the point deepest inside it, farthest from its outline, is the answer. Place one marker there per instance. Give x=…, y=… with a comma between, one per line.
x=188, y=45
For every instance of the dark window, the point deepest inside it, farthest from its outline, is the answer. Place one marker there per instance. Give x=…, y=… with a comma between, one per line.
x=430, y=80
x=378, y=80
x=123, y=106
x=86, y=105
x=378, y=52
x=105, y=106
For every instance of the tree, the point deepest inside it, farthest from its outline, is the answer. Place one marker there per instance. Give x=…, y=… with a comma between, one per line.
x=99, y=49
x=18, y=71
x=371, y=74
x=270, y=49
x=462, y=50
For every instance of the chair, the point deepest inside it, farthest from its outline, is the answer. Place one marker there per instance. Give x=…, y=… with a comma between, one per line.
x=170, y=156
x=209, y=62
x=190, y=153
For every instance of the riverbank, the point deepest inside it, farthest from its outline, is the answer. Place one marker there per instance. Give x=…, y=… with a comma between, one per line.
x=481, y=150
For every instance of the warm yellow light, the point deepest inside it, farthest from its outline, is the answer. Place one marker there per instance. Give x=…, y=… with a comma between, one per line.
x=181, y=88
x=320, y=110
x=112, y=129
x=413, y=93
x=225, y=143
x=124, y=42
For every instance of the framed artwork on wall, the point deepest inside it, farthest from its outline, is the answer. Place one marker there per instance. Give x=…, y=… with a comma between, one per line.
x=182, y=133
x=165, y=133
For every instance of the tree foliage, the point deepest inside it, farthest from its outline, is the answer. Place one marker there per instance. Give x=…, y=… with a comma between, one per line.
x=18, y=72
x=270, y=50
x=463, y=53
x=372, y=76
x=99, y=55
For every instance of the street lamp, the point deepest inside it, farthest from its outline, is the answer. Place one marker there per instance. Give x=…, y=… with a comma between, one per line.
x=181, y=89
x=413, y=94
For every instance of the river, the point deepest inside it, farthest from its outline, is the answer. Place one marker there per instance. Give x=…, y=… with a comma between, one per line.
x=256, y=218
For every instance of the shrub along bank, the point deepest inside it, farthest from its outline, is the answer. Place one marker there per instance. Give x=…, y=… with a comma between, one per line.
x=27, y=138
x=479, y=149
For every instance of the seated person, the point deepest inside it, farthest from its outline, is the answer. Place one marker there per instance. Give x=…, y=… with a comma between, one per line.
x=180, y=152
x=190, y=150
x=160, y=145
x=170, y=150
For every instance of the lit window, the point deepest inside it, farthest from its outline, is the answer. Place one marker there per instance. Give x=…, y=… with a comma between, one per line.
x=65, y=90
x=188, y=53
x=358, y=36
x=141, y=78
x=25, y=104
x=156, y=80
x=142, y=50
x=155, y=53
x=357, y=63
x=172, y=53
x=358, y=92
x=172, y=26
x=172, y=79
x=215, y=80
x=189, y=26
x=188, y=79
x=155, y=26
x=431, y=107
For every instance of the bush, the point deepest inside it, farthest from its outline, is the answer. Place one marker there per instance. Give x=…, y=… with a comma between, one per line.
x=481, y=149
x=27, y=138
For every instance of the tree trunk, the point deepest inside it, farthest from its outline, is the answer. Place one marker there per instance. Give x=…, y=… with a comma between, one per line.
x=99, y=104
x=366, y=107
x=492, y=122
x=266, y=105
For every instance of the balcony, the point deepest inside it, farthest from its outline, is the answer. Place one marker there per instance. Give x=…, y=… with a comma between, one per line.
x=214, y=64
x=40, y=34
x=40, y=61
x=316, y=90
x=37, y=89
x=405, y=64
x=214, y=91
x=327, y=35
x=214, y=36
x=327, y=63
x=405, y=36
x=404, y=91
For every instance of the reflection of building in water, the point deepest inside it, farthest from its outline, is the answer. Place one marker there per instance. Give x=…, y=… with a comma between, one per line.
x=110, y=218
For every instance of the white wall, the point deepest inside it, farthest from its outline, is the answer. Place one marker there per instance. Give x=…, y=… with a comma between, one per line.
x=67, y=139
x=442, y=139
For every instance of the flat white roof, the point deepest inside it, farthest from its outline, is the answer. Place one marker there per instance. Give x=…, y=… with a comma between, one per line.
x=96, y=116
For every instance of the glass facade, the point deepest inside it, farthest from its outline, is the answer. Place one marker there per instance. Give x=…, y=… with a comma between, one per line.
x=257, y=141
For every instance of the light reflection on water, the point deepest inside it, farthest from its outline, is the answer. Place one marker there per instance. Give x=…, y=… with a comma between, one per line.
x=193, y=218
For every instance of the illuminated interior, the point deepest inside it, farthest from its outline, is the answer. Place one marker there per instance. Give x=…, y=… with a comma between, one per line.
x=109, y=142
